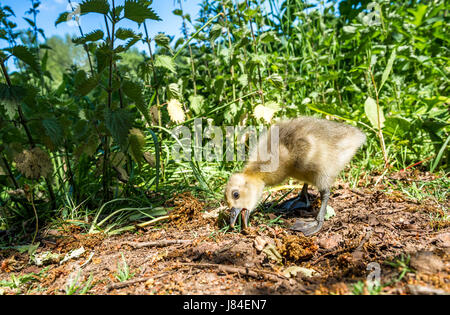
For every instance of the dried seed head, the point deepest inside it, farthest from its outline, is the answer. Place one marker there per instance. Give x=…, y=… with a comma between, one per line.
x=34, y=163
x=176, y=112
x=263, y=112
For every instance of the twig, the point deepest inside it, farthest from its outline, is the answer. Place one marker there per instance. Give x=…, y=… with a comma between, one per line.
x=338, y=251
x=415, y=164
x=165, y=217
x=364, y=240
x=228, y=247
x=36, y=216
x=124, y=284
x=357, y=192
x=250, y=272
x=160, y=243
x=88, y=260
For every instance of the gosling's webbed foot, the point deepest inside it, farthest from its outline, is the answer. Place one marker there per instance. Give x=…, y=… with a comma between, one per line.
x=307, y=227
x=300, y=202
x=294, y=204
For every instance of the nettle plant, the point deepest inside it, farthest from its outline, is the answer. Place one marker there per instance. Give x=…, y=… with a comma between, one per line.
x=81, y=140
x=115, y=99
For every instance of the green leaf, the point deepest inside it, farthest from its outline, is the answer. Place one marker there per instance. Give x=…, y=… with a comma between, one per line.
x=44, y=61
x=215, y=32
x=349, y=29
x=125, y=33
x=166, y=62
x=62, y=18
x=197, y=104
x=397, y=125
x=89, y=147
x=53, y=130
x=388, y=69
x=137, y=144
x=94, y=6
x=162, y=40
x=29, y=22
x=260, y=59
x=27, y=56
x=134, y=92
x=276, y=80
x=177, y=12
x=85, y=85
x=10, y=98
x=243, y=80
x=119, y=124
x=102, y=55
x=219, y=84
x=440, y=154
x=268, y=37
x=131, y=42
x=370, y=108
x=173, y=91
x=90, y=37
x=138, y=11
x=418, y=14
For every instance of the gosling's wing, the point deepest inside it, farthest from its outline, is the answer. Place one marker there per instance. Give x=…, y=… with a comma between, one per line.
x=319, y=145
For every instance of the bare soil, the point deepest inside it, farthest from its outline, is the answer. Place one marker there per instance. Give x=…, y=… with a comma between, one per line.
x=188, y=254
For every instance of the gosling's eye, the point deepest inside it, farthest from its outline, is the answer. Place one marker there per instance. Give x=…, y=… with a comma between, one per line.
x=235, y=194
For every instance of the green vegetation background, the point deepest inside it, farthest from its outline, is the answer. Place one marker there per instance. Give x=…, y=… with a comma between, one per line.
x=84, y=122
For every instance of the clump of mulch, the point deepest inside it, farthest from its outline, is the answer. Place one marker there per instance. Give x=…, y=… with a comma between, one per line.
x=186, y=209
x=66, y=243
x=297, y=248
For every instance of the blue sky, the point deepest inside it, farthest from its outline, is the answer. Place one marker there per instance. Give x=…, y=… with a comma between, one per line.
x=51, y=9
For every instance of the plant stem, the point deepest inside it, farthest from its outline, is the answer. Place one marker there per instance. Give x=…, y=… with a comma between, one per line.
x=184, y=28
x=10, y=174
x=156, y=83
x=70, y=173
x=195, y=34
x=261, y=94
x=36, y=216
x=380, y=131
x=106, y=175
x=85, y=46
x=22, y=120
x=230, y=48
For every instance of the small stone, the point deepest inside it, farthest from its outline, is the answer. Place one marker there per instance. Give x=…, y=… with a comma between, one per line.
x=423, y=290
x=444, y=239
x=260, y=243
x=329, y=213
x=293, y=270
x=373, y=221
x=272, y=253
x=426, y=261
x=213, y=214
x=330, y=242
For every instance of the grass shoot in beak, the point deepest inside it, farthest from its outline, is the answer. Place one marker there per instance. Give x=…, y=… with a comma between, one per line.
x=245, y=214
x=234, y=215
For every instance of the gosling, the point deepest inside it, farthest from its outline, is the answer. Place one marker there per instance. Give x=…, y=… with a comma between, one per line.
x=311, y=150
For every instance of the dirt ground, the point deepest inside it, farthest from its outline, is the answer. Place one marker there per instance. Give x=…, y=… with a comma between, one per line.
x=373, y=233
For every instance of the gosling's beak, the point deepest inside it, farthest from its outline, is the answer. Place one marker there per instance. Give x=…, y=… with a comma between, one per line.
x=234, y=215
x=245, y=214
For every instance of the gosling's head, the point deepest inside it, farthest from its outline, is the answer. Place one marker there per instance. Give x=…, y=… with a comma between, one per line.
x=242, y=195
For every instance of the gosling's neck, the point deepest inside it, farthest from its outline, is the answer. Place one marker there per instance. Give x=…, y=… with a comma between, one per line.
x=266, y=178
